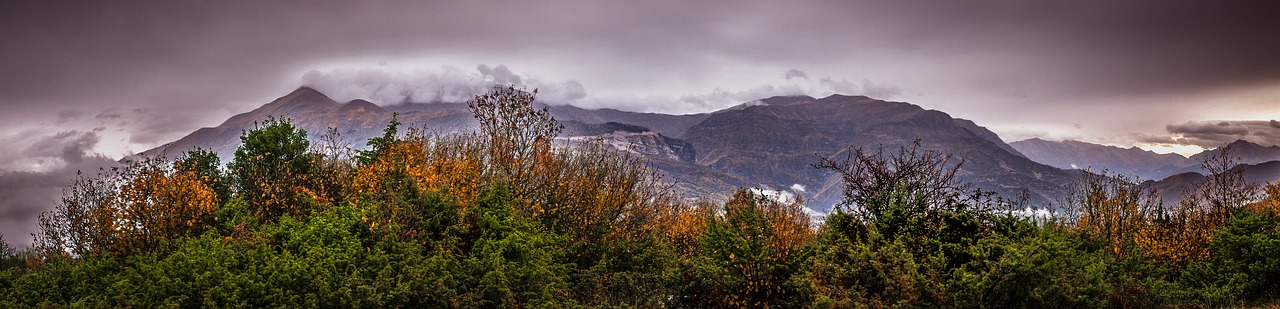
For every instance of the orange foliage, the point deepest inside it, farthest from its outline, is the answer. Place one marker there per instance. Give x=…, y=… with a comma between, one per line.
x=1112, y=208
x=453, y=165
x=130, y=210
x=1269, y=203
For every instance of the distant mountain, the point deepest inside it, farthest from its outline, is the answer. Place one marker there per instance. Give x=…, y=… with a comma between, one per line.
x=1173, y=188
x=1133, y=161
x=357, y=121
x=1244, y=151
x=673, y=126
x=774, y=141
x=769, y=143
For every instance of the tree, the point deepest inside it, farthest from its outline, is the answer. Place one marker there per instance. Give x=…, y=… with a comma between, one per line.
x=333, y=165
x=206, y=165
x=83, y=222
x=138, y=208
x=517, y=132
x=922, y=181
x=8, y=254
x=378, y=145
x=1184, y=233
x=750, y=253
x=1113, y=208
x=270, y=164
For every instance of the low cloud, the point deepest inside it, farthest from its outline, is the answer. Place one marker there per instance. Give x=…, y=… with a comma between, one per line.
x=794, y=73
x=866, y=87
x=1152, y=138
x=40, y=149
x=32, y=180
x=1211, y=134
x=388, y=86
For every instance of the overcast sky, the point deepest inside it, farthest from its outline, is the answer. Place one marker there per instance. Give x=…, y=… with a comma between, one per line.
x=86, y=81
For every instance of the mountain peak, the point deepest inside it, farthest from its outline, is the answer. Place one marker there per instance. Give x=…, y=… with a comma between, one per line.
x=304, y=96
x=786, y=100
x=360, y=105
x=841, y=96
x=1242, y=143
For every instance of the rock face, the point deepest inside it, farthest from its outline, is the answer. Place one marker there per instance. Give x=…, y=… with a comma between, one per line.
x=769, y=143
x=630, y=138
x=1132, y=161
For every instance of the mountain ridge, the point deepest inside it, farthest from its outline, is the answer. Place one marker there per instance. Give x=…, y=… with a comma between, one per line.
x=768, y=143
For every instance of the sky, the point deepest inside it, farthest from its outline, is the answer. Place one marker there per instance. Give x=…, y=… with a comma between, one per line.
x=83, y=83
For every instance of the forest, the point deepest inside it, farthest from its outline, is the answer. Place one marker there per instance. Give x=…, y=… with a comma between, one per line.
x=507, y=218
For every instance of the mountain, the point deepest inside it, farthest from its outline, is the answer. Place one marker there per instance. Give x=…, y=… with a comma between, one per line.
x=1133, y=161
x=774, y=141
x=768, y=143
x=673, y=126
x=1173, y=188
x=1245, y=151
x=632, y=138
x=357, y=121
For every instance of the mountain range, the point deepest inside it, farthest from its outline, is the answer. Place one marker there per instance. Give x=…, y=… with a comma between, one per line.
x=769, y=143
x=1170, y=174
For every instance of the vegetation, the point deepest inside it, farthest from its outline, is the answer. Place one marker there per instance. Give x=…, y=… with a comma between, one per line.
x=504, y=218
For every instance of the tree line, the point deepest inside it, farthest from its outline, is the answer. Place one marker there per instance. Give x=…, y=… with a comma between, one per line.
x=503, y=218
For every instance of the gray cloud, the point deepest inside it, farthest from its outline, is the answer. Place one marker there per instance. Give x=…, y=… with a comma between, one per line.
x=794, y=73
x=25, y=194
x=879, y=91
x=384, y=85
x=1210, y=134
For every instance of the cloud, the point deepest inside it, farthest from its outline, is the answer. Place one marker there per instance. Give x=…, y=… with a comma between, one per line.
x=41, y=149
x=45, y=165
x=1152, y=138
x=794, y=73
x=879, y=91
x=798, y=188
x=389, y=86
x=1211, y=134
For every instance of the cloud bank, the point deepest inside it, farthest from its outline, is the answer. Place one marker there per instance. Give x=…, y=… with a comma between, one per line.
x=1212, y=134
x=389, y=86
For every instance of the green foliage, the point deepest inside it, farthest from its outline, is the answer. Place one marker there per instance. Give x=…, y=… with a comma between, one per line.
x=208, y=167
x=1245, y=265
x=378, y=145
x=749, y=256
x=269, y=165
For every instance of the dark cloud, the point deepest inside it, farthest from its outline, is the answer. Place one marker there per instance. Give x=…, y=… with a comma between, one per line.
x=1210, y=134
x=70, y=146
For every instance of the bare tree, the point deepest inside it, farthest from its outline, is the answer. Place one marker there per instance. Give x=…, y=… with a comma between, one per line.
x=516, y=131
x=924, y=181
